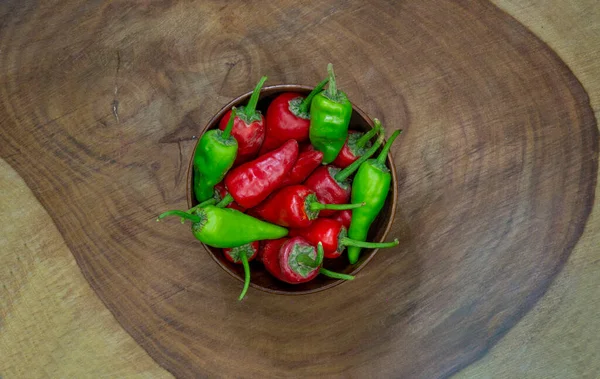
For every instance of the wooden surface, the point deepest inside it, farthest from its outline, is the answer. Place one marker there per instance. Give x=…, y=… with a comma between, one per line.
x=99, y=179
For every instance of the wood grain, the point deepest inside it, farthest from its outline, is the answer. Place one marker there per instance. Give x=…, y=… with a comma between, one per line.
x=52, y=325
x=559, y=337
x=495, y=192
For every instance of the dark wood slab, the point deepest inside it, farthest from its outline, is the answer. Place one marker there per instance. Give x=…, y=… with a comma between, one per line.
x=100, y=105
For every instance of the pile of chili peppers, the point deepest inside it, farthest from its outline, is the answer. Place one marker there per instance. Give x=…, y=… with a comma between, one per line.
x=292, y=189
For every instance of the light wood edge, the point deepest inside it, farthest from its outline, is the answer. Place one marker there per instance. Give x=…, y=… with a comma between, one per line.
x=52, y=324
x=558, y=338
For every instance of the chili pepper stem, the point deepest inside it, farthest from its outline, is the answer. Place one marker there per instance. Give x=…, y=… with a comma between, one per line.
x=316, y=206
x=362, y=141
x=225, y=201
x=229, y=127
x=202, y=204
x=306, y=260
x=345, y=173
x=335, y=275
x=368, y=245
x=250, y=108
x=332, y=89
x=388, y=145
x=182, y=214
x=246, y=265
x=303, y=108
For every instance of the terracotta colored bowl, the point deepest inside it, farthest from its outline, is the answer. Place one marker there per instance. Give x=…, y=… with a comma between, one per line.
x=261, y=279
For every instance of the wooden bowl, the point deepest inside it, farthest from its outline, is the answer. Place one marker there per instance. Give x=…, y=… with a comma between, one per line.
x=261, y=279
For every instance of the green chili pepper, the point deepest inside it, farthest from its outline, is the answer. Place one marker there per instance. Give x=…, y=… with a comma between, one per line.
x=226, y=227
x=214, y=156
x=371, y=186
x=330, y=113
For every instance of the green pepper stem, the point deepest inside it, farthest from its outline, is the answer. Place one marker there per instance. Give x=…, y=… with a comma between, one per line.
x=205, y=203
x=362, y=141
x=335, y=275
x=250, y=108
x=368, y=245
x=306, y=260
x=244, y=259
x=320, y=253
x=387, y=147
x=202, y=204
x=228, y=199
x=303, y=108
x=316, y=206
x=182, y=214
x=345, y=173
x=229, y=128
x=332, y=89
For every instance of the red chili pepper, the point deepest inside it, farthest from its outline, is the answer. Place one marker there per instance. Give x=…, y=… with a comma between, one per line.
x=248, y=127
x=331, y=184
x=234, y=254
x=221, y=192
x=294, y=206
x=288, y=118
x=294, y=260
x=269, y=255
x=344, y=217
x=332, y=234
x=307, y=147
x=307, y=162
x=252, y=182
x=299, y=261
x=357, y=144
x=243, y=254
x=329, y=190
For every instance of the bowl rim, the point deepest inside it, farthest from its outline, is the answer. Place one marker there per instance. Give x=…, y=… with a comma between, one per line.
x=280, y=88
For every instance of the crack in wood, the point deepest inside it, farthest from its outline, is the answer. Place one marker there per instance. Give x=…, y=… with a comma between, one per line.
x=115, y=102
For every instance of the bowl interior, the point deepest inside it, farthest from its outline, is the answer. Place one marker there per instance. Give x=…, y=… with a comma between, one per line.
x=261, y=279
